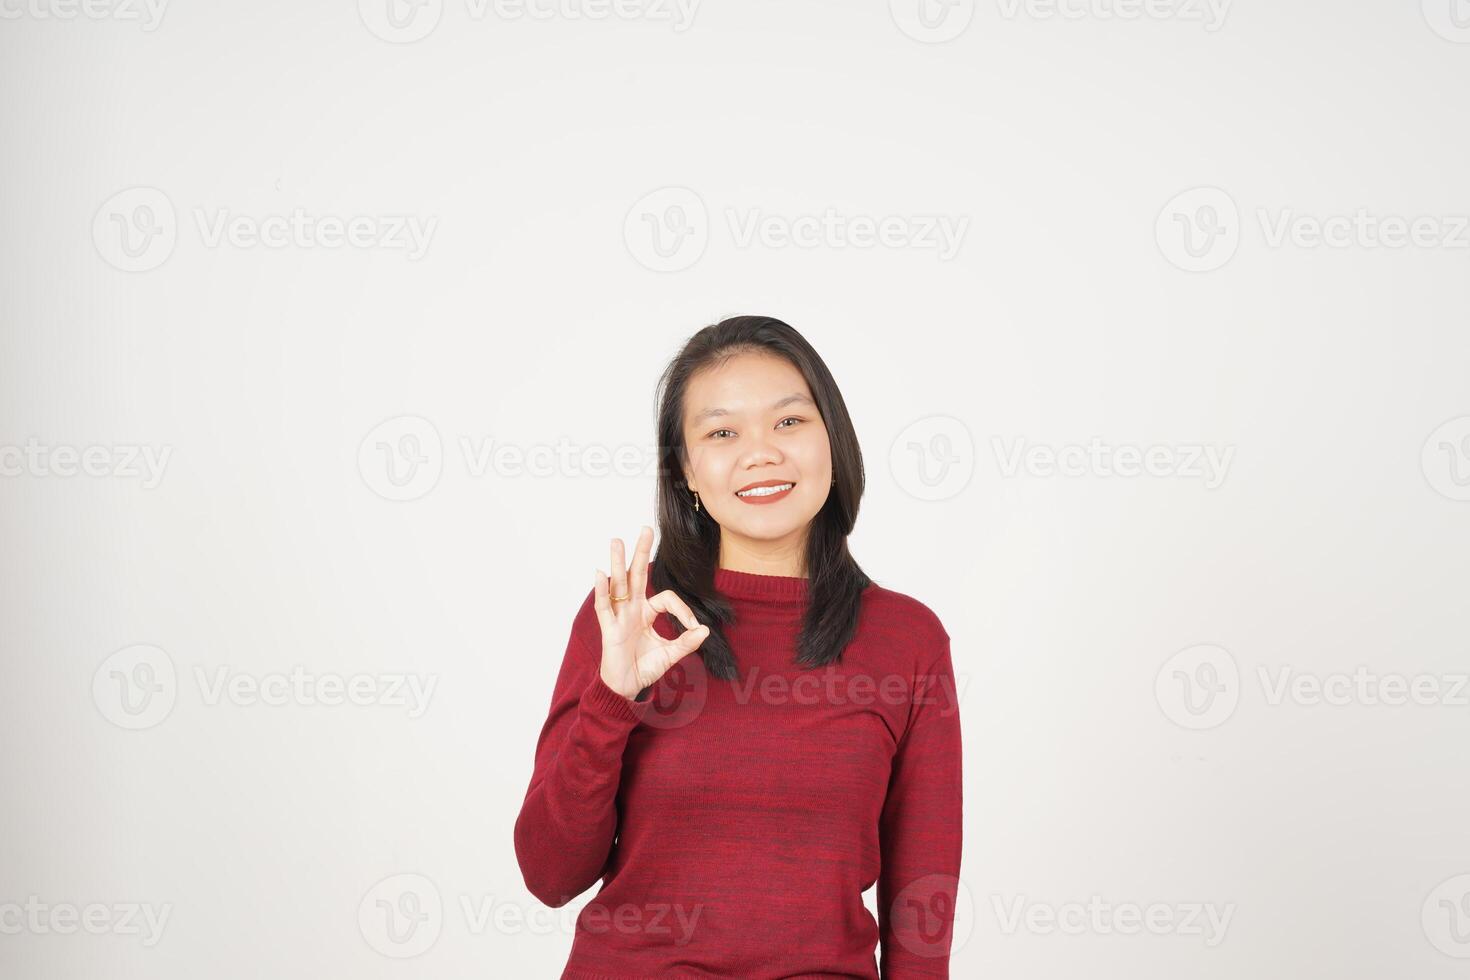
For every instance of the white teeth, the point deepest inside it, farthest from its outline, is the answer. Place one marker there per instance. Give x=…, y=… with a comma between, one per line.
x=764, y=491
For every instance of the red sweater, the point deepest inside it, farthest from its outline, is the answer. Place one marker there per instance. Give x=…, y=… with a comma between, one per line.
x=736, y=824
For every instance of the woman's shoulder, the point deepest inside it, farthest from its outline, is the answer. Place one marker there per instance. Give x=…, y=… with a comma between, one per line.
x=889, y=608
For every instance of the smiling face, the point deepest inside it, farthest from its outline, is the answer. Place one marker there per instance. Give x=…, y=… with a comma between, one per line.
x=747, y=422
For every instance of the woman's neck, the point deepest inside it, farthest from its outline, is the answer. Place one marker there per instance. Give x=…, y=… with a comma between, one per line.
x=762, y=558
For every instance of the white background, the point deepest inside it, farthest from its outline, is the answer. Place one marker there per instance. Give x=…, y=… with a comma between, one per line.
x=1084, y=153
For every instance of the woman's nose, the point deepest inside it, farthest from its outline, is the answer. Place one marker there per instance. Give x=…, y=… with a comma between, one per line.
x=762, y=449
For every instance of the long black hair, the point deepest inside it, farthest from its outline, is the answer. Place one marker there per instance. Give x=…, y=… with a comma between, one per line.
x=689, y=540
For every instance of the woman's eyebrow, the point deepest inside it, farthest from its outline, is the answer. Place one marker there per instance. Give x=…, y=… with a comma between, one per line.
x=779, y=404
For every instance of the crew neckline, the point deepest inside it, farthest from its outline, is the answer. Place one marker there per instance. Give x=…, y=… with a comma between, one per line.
x=751, y=585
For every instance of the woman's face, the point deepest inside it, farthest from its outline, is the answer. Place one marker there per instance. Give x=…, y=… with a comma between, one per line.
x=752, y=420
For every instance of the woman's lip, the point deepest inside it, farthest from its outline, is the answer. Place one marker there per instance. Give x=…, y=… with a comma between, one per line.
x=769, y=498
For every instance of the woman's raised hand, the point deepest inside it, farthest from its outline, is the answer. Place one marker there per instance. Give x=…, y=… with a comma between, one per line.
x=634, y=655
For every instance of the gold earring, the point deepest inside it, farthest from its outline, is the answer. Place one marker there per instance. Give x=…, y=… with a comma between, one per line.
x=696, y=501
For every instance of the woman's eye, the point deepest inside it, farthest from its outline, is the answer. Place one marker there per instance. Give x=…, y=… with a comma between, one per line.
x=790, y=418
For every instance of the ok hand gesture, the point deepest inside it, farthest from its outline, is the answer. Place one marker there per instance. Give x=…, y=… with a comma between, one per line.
x=634, y=656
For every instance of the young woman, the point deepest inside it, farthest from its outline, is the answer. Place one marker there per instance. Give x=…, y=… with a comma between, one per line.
x=736, y=804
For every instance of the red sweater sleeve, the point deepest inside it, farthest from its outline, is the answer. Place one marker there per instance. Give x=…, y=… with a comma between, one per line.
x=920, y=831
x=565, y=829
